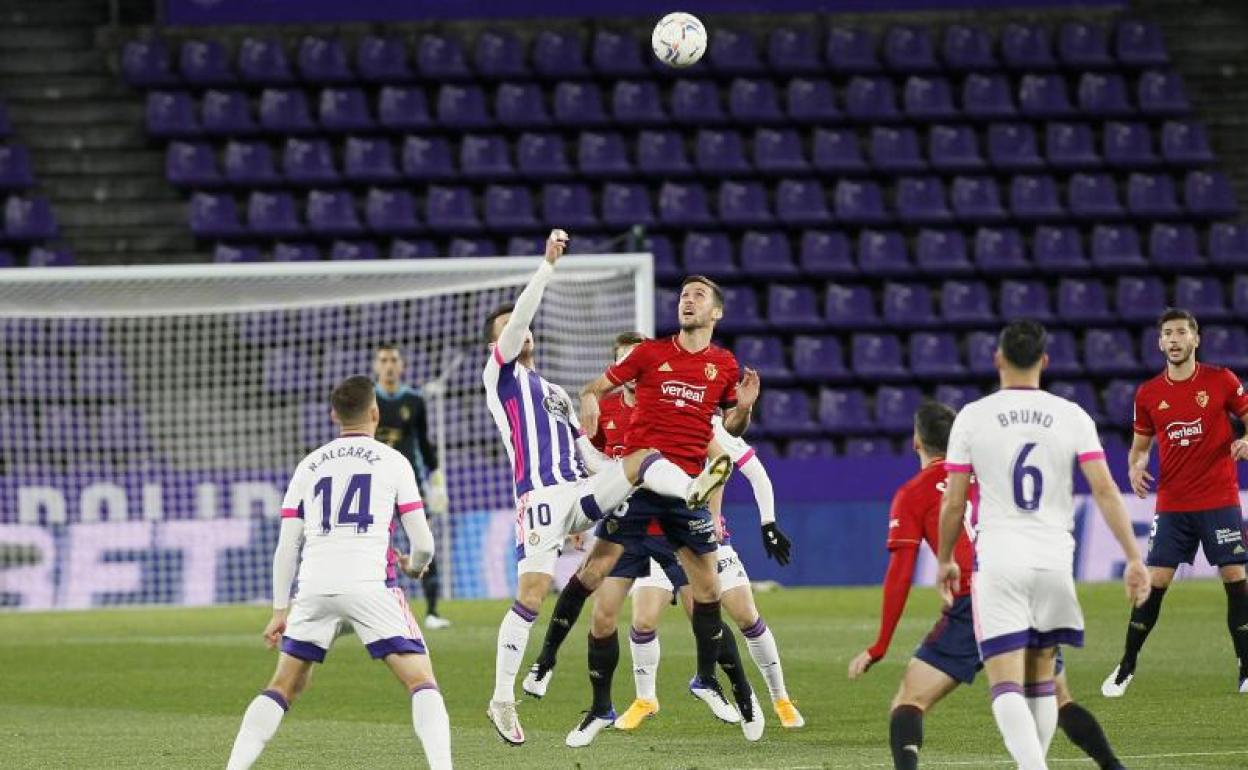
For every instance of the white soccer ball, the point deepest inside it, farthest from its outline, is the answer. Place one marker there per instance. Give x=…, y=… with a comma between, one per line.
x=679, y=39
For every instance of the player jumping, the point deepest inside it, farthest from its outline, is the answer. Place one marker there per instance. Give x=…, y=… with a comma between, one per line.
x=340, y=506
x=1022, y=444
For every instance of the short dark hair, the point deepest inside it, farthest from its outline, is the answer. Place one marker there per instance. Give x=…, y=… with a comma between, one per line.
x=1023, y=343
x=488, y=329
x=718, y=292
x=388, y=346
x=1177, y=314
x=933, y=421
x=625, y=339
x=352, y=398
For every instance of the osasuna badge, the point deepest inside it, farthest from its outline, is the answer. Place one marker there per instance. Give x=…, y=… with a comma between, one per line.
x=534, y=538
x=405, y=413
x=1202, y=398
x=711, y=371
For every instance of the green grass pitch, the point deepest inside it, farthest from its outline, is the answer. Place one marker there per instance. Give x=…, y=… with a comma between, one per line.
x=157, y=688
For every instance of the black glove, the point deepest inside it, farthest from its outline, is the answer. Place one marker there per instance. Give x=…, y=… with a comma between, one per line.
x=776, y=544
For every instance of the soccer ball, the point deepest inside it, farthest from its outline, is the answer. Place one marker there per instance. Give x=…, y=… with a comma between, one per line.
x=679, y=40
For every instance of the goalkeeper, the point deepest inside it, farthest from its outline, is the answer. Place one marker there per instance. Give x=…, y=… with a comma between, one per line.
x=405, y=427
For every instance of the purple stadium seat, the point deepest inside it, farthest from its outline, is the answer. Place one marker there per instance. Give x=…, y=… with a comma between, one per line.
x=308, y=162
x=369, y=160
x=883, y=253
x=954, y=148
x=1128, y=145
x=662, y=153
x=921, y=200
x=778, y=151
x=934, y=355
x=1063, y=354
x=1035, y=198
x=49, y=256
x=1094, y=197
x=509, y=207
x=1044, y=96
x=734, y=52
x=205, y=63
x=988, y=97
x=866, y=447
x=793, y=308
x=1024, y=299
x=1116, y=247
x=426, y=158
x=171, y=114
x=413, y=249
x=485, y=156
x=928, y=98
x=966, y=48
x=30, y=219
x=349, y=251
x=956, y=396
x=1139, y=44
x=696, y=102
x=826, y=254
x=226, y=113
x=1150, y=354
x=793, y=51
x=570, y=204
x=617, y=54
x=908, y=306
x=1208, y=194
x=250, y=164
x=441, y=58
x=1083, y=300
x=765, y=355
x=743, y=204
x=542, y=156
x=1228, y=245
x=1162, y=94
x=403, y=108
x=344, y=110
x=295, y=252
x=895, y=407
x=965, y=302
x=1082, y=46
x=1001, y=251
x=859, y=202
x=800, y=202
x=896, y=150
x=942, y=253
x=145, y=63
x=1027, y=47
x=1070, y=146
x=1109, y=352
x=579, y=103
x=1080, y=392
x=910, y=49
x=1058, y=250
x=976, y=199
x=1225, y=346
x=1119, y=397
x=852, y=51
x=850, y=307
x=1152, y=196
x=638, y=103
x=323, y=60
x=837, y=151
x=263, y=62
x=1239, y=296
x=808, y=100
x=391, y=212
x=666, y=266
x=273, y=214
x=625, y=205
x=980, y=347
x=871, y=99
x=500, y=54
x=1205, y=294
x=462, y=107
x=767, y=254
x=6, y=129
x=819, y=358
x=382, y=60
x=804, y=449
x=285, y=111
x=743, y=311
x=720, y=152
x=471, y=247
x=684, y=205
x=1013, y=147
x=844, y=410
x=187, y=164
x=601, y=154
x=1185, y=143
x=1139, y=299
x=754, y=101
x=787, y=413
x=1103, y=95
x=450, y=209
x=524, y=245
x=559, y=55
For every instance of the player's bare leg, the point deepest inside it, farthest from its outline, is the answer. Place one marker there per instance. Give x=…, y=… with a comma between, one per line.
x=922, y=687
x=1143, y=618
x=513, y=637
x=264, y=714
x=739, y=603
x=430, y=721
x=604, y=657
x=1006, y=673
x=648, y=605
x=1082, y=728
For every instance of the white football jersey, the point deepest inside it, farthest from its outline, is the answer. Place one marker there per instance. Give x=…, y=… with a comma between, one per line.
x=350, y=493
x=1023, y=444
x=737, y=449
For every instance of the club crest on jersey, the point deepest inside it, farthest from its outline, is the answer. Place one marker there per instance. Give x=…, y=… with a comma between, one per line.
x=405, y=413
x=557, y=407
x=1184, y=433
x=1202, y=398
x=534, y=538
x=711, y=371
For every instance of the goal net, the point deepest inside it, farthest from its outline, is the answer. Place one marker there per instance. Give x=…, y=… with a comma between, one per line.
x=150, y=416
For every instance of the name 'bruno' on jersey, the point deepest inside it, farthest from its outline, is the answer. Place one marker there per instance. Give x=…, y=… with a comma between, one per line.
x=1022, y=444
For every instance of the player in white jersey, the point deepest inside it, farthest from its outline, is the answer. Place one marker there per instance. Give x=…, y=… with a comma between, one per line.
x=555, y=495
x=341, y=506
x=1022, y=444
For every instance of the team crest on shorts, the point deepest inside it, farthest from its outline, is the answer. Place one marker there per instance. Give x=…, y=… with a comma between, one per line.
x=534, y=538
x=1202, y=398
x=711, y=371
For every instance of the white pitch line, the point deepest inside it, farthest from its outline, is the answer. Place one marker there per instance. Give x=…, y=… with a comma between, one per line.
x=1008, y=763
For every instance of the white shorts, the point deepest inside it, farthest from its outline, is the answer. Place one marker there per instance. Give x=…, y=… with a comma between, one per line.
x=1022, y=607
x=544, y=519
x=379, y=615
x=731, y=573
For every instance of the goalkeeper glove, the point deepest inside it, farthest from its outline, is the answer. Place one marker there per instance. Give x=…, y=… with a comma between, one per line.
x=776, y=543
x=436, y=501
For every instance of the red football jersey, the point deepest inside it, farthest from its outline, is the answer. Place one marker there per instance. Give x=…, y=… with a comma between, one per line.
x=1189, y=419
x=677, y=393
x=614, y=416
x=915, y=518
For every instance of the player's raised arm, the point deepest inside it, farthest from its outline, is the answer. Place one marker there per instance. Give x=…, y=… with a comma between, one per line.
x=737, y=419
x=1109, y=503
x=775, y=542
x=511, y=338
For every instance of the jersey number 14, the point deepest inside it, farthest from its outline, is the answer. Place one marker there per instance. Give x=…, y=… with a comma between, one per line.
x=354, y=507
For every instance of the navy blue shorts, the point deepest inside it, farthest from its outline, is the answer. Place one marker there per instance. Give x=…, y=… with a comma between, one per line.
x=635, y=563
x=682, y=527
x=950, y=646
x=1175, y=537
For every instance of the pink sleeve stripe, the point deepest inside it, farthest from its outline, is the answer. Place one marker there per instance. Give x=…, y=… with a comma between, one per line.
x=1087, y=457
x=498, y=355
x=290, y=513
x=957, y=467
x=745, y=458
x=409, y=507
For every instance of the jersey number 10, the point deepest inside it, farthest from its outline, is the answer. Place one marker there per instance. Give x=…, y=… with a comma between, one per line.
x=1027, y=496
x=354, y=508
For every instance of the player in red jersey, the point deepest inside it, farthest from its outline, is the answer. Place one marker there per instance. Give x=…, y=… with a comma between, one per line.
x=617, y=407
x=1184, y=409
x=949, y=654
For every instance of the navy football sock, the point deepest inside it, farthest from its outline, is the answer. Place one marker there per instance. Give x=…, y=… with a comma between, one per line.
x=1237, y=621
x=730, y=662
x=905, y=736
x=708, y=631
x=1085, y=732
x=1143, y=618
x=604, y=656
x=567, y=610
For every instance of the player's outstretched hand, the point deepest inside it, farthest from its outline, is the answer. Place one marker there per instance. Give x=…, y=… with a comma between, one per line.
x=948, y=576
x=1135, y=578
x=861, y=664
x=405, y=564
x=437, y=502
x=276, y=627
x=777, y=544
x=555, y=245
x=748, y=389
x=1239, y=449
x=1141, y=480
x=589, y=415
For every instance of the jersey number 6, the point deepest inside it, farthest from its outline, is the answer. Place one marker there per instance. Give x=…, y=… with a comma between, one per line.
x=354, y=508
x=1027, y=499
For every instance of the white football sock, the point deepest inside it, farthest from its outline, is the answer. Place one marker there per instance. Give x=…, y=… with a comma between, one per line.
x=260, y=722
x=664, y=477
x=645, y=649
x=1017, y=726
x=610, y=488
x=1042, y=700
x=513, y=637
x=766, y=655
x=432, y=726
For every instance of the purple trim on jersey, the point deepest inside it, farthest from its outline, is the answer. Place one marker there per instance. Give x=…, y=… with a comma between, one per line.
x=395, y=645
x=524, y=612
x=999, y=645
x=277, y=698
x=303, y=650
x=745, y=458
x=645, y=465
x=1030, y=639
x=563, y=434
x=957, y=467
x=509, y=396
x=426, y=686
x=1040, y=689
x=758, y=629
x=545, y=451
x=1021, y=387
x=1042, y=640
x=354, y=434
x=1005, y=688
x=590, y=508
x=641, y=637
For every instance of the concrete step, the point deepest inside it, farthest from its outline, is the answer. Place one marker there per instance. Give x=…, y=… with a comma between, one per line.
x=119, y=137
x=65, y=189
x=40, y=114
x=53, y=12
x=30, y=87
x=44, y=63
x=131, y=162
x=123, y=214
x=171, y=257
x=28, y=37
x=129, y=241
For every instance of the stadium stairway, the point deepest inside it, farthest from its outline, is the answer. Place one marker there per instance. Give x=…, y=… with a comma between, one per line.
x=85, y=133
